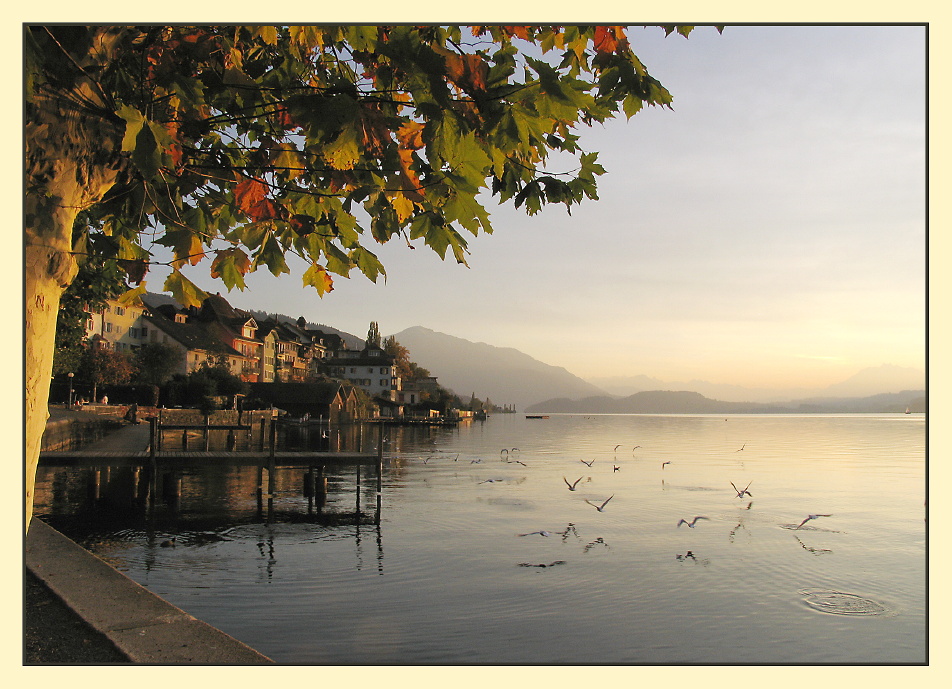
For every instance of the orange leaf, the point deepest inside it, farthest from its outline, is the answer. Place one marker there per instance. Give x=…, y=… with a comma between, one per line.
x=410, y=136
x=249, y=192
x=265, y=209
x=608, y=39
x=517, y=31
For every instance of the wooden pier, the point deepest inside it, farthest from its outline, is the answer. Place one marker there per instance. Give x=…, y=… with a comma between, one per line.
x=267, y=458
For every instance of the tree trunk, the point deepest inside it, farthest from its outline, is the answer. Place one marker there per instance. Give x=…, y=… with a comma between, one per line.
x=68, y=168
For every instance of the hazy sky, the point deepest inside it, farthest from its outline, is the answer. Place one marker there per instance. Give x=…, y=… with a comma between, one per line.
x=769, y=231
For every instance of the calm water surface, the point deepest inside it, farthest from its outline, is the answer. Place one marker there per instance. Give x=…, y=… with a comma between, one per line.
x=446, y=577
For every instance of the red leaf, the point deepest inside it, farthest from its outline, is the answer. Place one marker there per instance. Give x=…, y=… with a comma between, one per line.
x=302, y=224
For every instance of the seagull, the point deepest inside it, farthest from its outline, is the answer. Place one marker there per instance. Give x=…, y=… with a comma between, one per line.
x=635, y=448
x=615, y=467
x=812, y=516
x=601, y=507
x=515, y=461
x=690, y=523
x=572, y=485
x=532, y=533
x=551, y=564
x=492, y=480
x=663, y=463
x=587, y=463
x=742, y=493
x=426, y=459
x=167, y=544
x=475, y=461
x=616, y=447
x=742, y=447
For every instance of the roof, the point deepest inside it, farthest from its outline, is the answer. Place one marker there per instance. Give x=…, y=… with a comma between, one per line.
x=192, y=336
x=298, y=393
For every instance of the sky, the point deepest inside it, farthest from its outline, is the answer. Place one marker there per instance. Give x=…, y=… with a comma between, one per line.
x=768, y=231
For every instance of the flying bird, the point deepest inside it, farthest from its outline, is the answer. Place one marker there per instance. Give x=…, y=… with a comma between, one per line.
x=812, y=516
x=663, y=463
x=515, y=461
x=587, y=463
x=475, y=461
x=572, y=485
x=615, y=467
x=635, y=448
x=617, y=446
x=601, y=507
x=741, y=448
x=492, y=480
x=742, y=493
x=690, y=523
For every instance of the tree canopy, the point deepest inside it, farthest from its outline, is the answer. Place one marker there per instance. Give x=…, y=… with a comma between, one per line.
x=247, y=144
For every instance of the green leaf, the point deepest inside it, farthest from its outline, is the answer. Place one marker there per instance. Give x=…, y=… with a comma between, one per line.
x=134, y=122
x=367, y=263
x=184, y=290
x=272, y=255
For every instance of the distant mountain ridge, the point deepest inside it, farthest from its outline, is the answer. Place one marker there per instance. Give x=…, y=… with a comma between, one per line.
x=686, y=402
x=502, y=374
x=867, y=382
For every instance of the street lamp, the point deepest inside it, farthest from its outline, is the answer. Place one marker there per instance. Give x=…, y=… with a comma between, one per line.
x=70, y=376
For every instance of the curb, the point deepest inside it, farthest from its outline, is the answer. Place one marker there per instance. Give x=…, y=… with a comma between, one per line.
x=143, y=626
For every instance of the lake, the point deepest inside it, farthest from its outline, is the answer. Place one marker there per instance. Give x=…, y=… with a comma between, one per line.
x=453, y=573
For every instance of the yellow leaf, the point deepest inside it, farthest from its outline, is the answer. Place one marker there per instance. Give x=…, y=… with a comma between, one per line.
x=344, y=152
x=402, y=205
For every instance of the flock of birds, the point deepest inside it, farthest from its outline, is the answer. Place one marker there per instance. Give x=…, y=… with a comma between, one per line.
x=510, y=456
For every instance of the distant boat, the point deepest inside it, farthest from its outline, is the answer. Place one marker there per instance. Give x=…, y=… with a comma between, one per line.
x=533, y=416
x=908, y=411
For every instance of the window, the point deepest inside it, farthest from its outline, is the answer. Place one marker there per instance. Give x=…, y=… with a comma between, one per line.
x=108, y=327
x=120, y=311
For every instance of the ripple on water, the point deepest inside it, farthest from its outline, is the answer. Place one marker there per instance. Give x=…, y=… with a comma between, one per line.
x=839, y=603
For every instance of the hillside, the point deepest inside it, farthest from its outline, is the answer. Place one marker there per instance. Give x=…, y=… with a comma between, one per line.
x=503, y=374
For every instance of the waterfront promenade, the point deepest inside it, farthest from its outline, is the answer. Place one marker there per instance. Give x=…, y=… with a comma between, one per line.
x=80, y=610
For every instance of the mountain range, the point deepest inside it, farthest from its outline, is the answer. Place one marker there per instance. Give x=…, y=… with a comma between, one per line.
x=502, y=374
x=507, y=376
x=685, y=402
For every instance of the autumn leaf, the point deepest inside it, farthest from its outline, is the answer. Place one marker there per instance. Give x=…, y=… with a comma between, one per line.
x=608, y=38
x=302, y=225
x=402, y=205
x=316, y=276
x=410, y=138
x=132, y=297
x=249, y=192
x=231, y=265
x=344, y=151
x=266, y=209
x=135, y=269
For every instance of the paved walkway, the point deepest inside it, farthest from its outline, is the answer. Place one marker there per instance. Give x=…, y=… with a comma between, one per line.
x=129, y=438
x=112, y=617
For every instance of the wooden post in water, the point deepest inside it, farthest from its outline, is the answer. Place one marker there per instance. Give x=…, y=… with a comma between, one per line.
x=153, y=437
x=261, y=442
x=379, y=488
x=205, y=433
